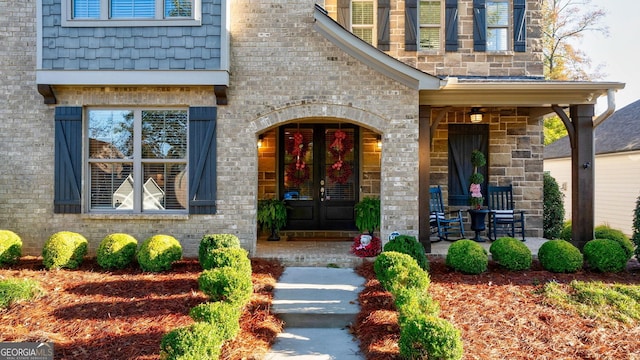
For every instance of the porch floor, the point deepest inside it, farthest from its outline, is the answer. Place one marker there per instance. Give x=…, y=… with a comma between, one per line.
x=315, y=252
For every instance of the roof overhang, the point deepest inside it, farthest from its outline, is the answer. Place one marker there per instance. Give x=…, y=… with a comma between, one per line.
x=486, y=93
x=372, y=57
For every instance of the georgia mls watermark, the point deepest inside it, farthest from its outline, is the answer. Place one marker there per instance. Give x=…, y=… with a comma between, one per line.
x=26, y=351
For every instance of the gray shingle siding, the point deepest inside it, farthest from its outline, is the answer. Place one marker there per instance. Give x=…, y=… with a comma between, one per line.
x=131, y=48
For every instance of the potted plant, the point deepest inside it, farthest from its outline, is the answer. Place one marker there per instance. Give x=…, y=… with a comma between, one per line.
x=367, y=220
x=476, y=199
x=272, y=216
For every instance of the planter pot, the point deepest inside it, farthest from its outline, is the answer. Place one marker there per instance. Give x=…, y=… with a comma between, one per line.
x=478, y=217
x=274, y=235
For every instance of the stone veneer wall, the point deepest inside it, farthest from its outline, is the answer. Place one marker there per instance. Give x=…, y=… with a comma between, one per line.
x=515, y=157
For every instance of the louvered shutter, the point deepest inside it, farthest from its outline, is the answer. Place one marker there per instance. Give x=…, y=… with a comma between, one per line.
x=451, y=25
x=344, y=13
x=384, y=7
x=68, y=160
x=411, y=25
x=479, y=25
x=519, y=26
x=202, y=160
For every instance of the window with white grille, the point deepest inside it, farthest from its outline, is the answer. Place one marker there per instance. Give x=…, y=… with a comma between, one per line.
x=92, y=11
x=363, y=14
x=430, y=18
x=497, y=25
x=137, y=160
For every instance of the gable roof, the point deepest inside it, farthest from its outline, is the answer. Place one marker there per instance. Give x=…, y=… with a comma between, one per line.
x=619, y=133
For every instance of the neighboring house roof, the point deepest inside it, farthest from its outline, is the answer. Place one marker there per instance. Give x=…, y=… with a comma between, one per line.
x=619, y=133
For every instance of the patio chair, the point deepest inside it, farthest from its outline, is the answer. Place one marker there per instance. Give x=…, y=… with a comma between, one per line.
x=440, y=222
x=503, y=218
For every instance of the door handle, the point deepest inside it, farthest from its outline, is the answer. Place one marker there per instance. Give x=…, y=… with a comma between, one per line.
x=322, y=193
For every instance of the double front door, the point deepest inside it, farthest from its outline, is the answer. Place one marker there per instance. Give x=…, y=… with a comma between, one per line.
x=318, y=168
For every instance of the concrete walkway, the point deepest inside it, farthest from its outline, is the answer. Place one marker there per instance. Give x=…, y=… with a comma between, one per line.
x=317, y=305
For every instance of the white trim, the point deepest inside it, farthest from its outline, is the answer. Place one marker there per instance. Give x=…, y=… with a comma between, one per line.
x=132, y=77
x=225, y=36
x=38, y=34
x=372, y=57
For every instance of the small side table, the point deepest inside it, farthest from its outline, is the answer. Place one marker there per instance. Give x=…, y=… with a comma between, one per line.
x=478, y=217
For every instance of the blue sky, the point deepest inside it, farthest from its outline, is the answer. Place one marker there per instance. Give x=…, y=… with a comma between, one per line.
x=617, y=52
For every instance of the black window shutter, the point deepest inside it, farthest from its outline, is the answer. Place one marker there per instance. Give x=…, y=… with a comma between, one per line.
x=411, y=25
x=68, y=160
x=451, y=25
x=384, y=7
x=202, y=160
x=344, y=13
x=479, y=25
x=519, y=25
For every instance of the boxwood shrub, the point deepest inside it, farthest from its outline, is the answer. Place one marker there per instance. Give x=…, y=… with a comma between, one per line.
x=606, y=232
x=409, y=245
x=560, y=256
x=64, y=249
x=397, y=271
x=467, y=256
x=158, y=252
x=605, y=255
x=195, y=342
x=233, y=257
x=429, y=337
x=226, y=284
x=212, y=242
x=511, y=253
x=412, y=302
x=10, y=247
x=116, y=251
x=224, y=316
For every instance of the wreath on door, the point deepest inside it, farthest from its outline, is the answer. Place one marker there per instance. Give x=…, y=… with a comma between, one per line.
x=297, y=172
x=340, y=171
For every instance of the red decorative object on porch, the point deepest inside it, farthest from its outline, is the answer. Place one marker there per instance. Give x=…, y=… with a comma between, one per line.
x=366, y=246
x=297, y=172
x=340, y=170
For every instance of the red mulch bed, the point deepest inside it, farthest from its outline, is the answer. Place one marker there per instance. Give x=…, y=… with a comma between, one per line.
x=95, y=314
x=501, y=315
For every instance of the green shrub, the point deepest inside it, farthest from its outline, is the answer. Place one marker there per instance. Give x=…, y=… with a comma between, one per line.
x=429, y=337
x=605, y=255
x=158, y=252
x=565, y=234
x=467, y=256
x=10, y=247
x=15, y=290
x=636, y=228
x=605, y=232
x=226, y=284
x=233, y=257
x=560, y=256
x=552, y=208
x=116, y=251
x=511, y=253
x=195, y=342
x=412, y=302
x=409, y=245
x=64, y=249
x=397, y=271
x=224, y=316
x=212, y=242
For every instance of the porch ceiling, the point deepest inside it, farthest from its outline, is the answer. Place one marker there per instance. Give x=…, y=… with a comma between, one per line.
x=517, y=93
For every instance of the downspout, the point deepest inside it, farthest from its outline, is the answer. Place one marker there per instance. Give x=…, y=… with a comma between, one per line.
x=611, y=107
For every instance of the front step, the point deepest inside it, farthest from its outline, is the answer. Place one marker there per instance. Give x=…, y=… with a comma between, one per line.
x=307, y=297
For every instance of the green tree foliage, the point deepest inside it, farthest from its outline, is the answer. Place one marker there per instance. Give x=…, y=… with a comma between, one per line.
x=553, y=208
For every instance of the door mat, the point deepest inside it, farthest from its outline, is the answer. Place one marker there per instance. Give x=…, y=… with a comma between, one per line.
x=318, y=238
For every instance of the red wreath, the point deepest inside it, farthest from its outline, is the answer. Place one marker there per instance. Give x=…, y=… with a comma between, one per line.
x=340, y=170
x=372, y=249
x=297, y=171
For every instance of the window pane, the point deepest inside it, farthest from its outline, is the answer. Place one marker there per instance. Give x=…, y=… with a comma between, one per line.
x=110, y=134
x=430, y=38
x=177, y=8
x=133, y=9
x=497, y=39
x=86, y=9
x=362, y=13
x=497, y=13
x=165, y=187
x=111, y=186
x=298, y=164
x=364, y=34
x=430, y=12
x=164, y=134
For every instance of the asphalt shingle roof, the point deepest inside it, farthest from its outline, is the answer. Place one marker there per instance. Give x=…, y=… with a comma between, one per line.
x=619, y=133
